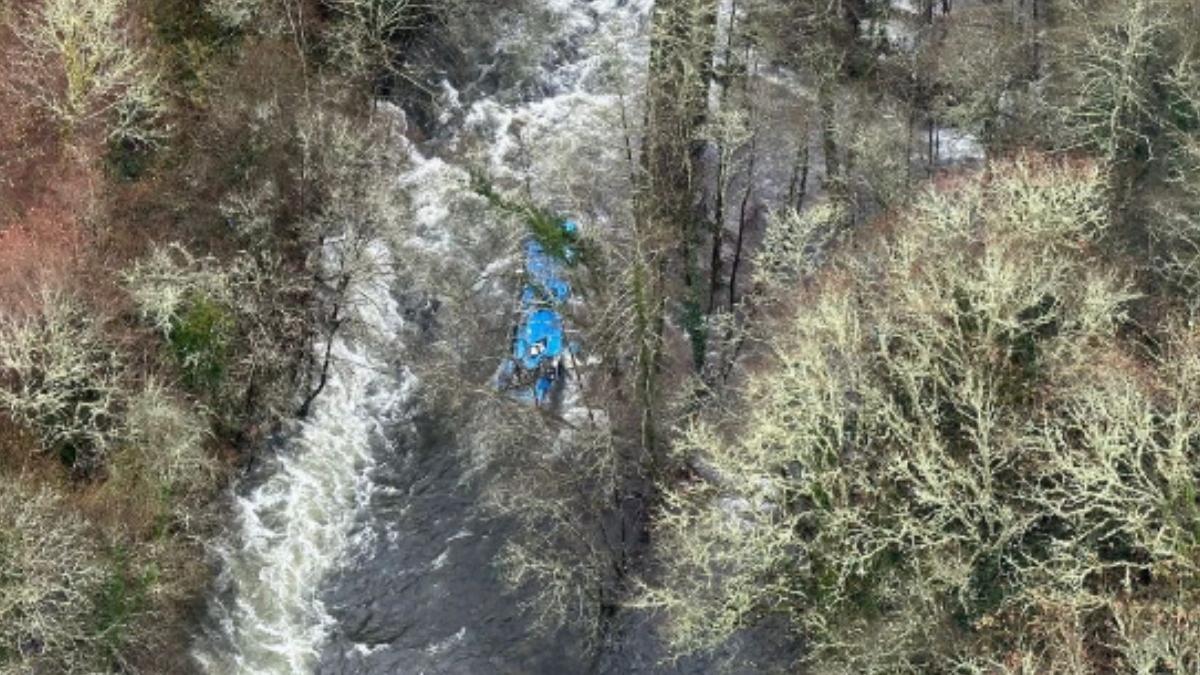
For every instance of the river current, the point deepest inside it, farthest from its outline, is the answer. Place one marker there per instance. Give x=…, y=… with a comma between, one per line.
x=359, y=547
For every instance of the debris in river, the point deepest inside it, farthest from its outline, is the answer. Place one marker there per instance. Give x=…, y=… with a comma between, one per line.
x=537, y=363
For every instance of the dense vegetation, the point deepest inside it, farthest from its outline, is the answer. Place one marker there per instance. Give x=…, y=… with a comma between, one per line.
x=169, y=172
x=961, y=455
x=966, y=439
x=888, y=312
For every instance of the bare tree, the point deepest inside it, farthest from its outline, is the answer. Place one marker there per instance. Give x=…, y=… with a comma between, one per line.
x=369, y=36
x=932, y=470
x=78, y=64
x=50, y=573
x=59, y=376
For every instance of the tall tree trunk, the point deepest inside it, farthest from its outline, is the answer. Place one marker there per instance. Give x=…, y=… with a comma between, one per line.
x=743, y=220
x=335, y=322
x=718, y=240
x=647, y=285
x=931, y=151
x=829, y=143
x=798, y=186
x=680, y=73
x=718, y=216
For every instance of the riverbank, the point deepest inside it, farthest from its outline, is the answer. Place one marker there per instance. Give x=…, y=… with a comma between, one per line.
x=159, y=308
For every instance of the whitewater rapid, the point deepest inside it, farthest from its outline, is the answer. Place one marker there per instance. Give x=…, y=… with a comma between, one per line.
x=293, y=528
x=331, y=508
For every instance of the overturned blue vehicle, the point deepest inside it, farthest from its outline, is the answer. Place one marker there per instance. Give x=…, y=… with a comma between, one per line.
x=537, y=365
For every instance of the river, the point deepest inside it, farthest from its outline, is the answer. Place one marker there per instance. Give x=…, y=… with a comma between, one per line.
x=359, y=547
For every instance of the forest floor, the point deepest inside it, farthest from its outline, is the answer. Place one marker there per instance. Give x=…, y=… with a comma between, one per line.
x=58, y=233
x=43, y=194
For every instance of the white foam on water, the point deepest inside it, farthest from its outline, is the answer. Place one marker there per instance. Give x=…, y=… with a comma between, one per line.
x=447, y=644
x=294, y=528
x=955, y=145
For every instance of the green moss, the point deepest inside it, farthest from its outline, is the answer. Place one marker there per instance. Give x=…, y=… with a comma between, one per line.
x=862, y=594
x=200, y=339
x=1181, y=111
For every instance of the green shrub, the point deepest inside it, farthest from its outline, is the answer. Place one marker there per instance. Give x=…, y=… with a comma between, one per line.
x=119, y=600
x=200, y=339
x=127, y=159
x=192, y=37
x=548, y=231
x=695, y=324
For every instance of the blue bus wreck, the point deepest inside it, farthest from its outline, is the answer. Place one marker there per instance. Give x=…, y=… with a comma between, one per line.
x=537, y=365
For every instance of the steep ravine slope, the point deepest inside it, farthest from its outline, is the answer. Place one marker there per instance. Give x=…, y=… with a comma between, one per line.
x=360, y=548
